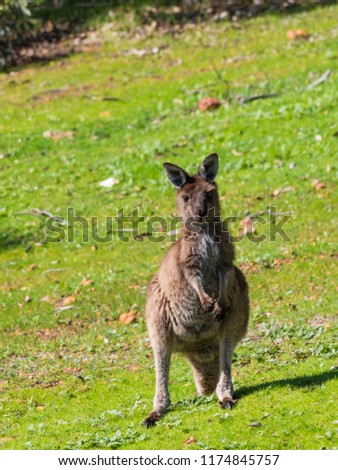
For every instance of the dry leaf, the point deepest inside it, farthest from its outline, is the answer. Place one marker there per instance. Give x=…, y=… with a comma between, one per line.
x=293, y=34
x=68, y=300
x=108, y=183
x=237, y=154
x=255, y=424
x=129, y=317
x=208, y=104
x=57, y=135
x=86, y=282
x=135, y=287
x=6, y=439
x=27, y=299
x=318, y=184
x=31, y=267
x=105, y=114
x=190, y=441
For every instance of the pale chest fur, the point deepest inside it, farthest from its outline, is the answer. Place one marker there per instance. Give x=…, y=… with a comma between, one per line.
x=190, y=323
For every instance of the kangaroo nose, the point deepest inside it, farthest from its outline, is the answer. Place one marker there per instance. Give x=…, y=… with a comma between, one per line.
x=202, y=212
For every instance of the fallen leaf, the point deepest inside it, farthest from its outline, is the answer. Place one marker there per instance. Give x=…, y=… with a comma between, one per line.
x=108, y=183
x=105, y=114
x=129, y=317
x=68, y=300
x=237, y=154
x=318, y=138
x=190, y=441
x=255, y=424
x=86, y=282
x=57, y=135
x=27, y=299
x=208, y=104
x=31, y=267
x=294, y=34
x=135, y=287
x=318, y=185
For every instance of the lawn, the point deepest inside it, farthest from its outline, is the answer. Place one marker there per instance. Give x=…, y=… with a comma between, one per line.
x=73, y=376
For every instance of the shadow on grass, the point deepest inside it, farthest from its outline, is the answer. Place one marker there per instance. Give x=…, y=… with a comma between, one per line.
x=11, y=241
x=295, y=382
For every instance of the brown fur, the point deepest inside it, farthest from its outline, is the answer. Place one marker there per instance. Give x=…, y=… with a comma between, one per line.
x=197, y=303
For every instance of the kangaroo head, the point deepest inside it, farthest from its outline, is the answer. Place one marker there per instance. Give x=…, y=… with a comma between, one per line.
x=197, y=195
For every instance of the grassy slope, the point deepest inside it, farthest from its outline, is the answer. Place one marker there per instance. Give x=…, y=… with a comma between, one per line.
x=76, y=378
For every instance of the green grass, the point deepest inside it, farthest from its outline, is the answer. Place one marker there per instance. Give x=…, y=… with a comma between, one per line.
x=77, y=378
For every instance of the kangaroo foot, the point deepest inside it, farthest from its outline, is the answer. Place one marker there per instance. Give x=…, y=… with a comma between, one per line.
x=227, y=403
x=152, y=419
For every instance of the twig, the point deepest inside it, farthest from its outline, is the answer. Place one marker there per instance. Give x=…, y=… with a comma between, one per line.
x=320, y=80
x=55, y=270
x=38, y=212
x=111, y=98
x=257, y=97
x=274, y=214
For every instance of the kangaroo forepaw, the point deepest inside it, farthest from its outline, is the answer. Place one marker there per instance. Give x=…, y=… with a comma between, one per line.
x=227, y=403
x=217, y=313
x=152, y=419
x=207, y=303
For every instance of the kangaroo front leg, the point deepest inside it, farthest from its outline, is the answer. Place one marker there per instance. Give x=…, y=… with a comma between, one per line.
x=162, y=399
x=224, y=388
x=206, y=301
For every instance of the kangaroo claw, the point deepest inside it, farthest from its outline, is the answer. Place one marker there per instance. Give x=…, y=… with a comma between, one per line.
x=207, y=303
x=217, y=313
x=152, y=419
x=227, y=403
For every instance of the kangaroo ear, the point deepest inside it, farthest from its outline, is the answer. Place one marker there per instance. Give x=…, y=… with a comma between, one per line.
x=208, y=169
x=175, y=174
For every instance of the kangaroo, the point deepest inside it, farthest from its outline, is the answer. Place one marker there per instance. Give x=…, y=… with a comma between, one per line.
x=198, y=302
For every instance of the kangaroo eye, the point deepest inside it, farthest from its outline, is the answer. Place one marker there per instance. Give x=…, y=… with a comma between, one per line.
x=185, y=198
x=209, y=194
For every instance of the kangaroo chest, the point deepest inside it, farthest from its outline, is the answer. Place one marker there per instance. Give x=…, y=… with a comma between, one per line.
x=190, y=322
